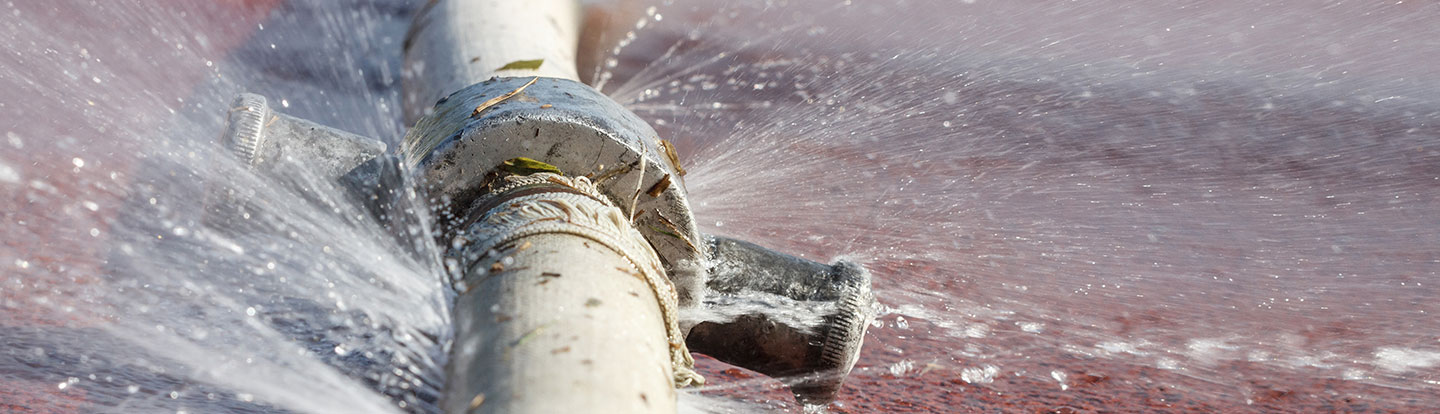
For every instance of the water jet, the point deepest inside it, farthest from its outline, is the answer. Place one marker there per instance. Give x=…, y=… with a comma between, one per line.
x=571, y=273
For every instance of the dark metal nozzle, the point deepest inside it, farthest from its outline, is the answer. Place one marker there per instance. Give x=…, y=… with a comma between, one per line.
x=813, y=357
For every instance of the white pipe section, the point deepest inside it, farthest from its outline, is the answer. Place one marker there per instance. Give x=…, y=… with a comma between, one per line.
x=569, y=330
x=457, y=43
x=564, y=309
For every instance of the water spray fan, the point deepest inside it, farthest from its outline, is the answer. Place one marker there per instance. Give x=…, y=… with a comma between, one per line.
x=568, y=231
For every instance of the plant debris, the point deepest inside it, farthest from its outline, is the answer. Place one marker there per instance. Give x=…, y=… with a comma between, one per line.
x=527, y=166
x=638, y=183
x=523, y=65
x=611, y=173
x=659, y=186
x=673, y=156
x=529, y=335
x=498, y=99
x=674, y=230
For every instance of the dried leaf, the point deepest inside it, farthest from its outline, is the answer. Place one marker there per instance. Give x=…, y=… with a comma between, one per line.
x=659, y=186
x=498, y=99
x=523, y=65
x=672, y=156
x=527, y=166
x=613, y=172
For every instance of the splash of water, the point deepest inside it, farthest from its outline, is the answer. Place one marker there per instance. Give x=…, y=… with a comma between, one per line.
x=1060, y=201
x=147, y=270
x=1175, y=196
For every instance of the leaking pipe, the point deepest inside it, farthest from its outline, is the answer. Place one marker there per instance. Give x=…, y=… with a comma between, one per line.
x=562, y=306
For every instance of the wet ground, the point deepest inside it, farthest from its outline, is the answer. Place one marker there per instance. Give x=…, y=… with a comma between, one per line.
x=1215, y=207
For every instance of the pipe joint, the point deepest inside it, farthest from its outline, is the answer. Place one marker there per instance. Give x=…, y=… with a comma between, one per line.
x=579, y=131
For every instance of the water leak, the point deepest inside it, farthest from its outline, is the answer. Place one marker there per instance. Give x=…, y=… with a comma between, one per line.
x=1067, y=206
x=1074, y=207
x=148, y=271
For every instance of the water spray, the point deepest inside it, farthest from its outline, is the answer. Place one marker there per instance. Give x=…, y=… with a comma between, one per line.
x=567, y=227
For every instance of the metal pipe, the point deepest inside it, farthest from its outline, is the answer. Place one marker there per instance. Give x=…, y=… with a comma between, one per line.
x=457, y=43
x=563, y=305
x=557, y=311
x=569, y=291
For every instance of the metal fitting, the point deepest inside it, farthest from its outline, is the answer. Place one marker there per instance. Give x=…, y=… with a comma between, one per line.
x=264, y=138
x=579, y=131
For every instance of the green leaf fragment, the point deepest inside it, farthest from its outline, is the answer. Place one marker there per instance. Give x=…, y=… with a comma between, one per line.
x=527, y=166
x=665, y=232
x=523, y=65
x=529, y=335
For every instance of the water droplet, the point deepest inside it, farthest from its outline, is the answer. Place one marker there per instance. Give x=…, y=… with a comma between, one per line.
x=950, y=97
x=1031, y=327
x=15, y=140
x=900, y=368
x=9, y=175
x=250, y=311
x=78, y=162
x=984, y=375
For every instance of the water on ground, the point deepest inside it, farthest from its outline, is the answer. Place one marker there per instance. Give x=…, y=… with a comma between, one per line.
x=1068, y=207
